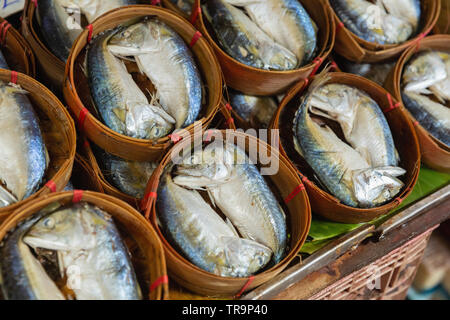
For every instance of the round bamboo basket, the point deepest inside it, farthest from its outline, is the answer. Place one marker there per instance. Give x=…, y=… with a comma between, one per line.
x=58, y=131
x=146, y=251
x=434, y=153
x=51, y=69
x=297, y=209
x=405, y=139
x=443, y=24
x=77, y=93
x=354, y=48
x=16, y=50
x=254, y=81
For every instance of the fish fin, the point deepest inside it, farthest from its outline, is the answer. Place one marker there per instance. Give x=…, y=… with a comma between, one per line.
x=437, y=93
x=228, y=221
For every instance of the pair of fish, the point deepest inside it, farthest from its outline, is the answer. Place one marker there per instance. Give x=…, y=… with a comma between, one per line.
x=362, y=173
x=273, y=35
x=256, y=111
x=130, y=177
x=428, y=75
x=23, y=155
x=163, y=56
x=90, y=255
x=236, y=187
x=60, y=20
x=380, y=21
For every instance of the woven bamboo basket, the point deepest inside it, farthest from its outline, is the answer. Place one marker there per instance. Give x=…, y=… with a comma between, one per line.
x=255, y=81
x=297, y=209
x=443, y=24
x=146, y=251
x=16, y=50
x=77, y=93
x=51, y=69
x=354, y=48
x=59, y=135
x=434, y=153
x=405, y=139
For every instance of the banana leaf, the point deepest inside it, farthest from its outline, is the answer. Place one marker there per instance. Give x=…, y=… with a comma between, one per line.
x=323, y=231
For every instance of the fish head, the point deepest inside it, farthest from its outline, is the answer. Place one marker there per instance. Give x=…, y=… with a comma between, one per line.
x=424, y=71
x=206, y=167
x=61, y=230
x=133, y=40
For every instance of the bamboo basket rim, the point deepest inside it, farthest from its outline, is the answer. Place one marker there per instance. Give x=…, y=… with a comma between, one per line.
x=161, y=292
x=150, y=213
x=335, y=76
x=324, y=52
x=376, y=47
x=22, y=80
x=79, y=45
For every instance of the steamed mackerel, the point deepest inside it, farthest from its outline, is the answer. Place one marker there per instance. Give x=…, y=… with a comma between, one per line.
x=346, y=173
x=361, y=119
x=373, y=23
x=130, y=177
x=243, y=40
x=23, y=155
x=257, y=111
x=88, y=243
x=121, y=103
x=433, y=116
x=285, y=21
x=22, y=277
x=163, y=56
x=238, y=189
x=59, y=30
x=202, y=236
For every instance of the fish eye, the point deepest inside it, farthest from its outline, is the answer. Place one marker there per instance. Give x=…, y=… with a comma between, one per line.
x=49, y=223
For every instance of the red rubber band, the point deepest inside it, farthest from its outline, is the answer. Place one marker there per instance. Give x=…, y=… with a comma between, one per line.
x=399, y=200
x=161, y=280
x=51, y=185
x=305, y=84
x=35, y=3
x=14, y=77
x=208, y=136
x=334, y=65
x=228, y=107
x=82, y=118
x=305, y=179
x=230, y=121
x=392, y=106
x=294, y=193
x=195, y=14
x=145, y=199
x=246, y=285
x=91, y=31
x=420, y=37
x=77, y=196
x=4, y=29
x=175, y=137
x=416, y=123
x=195, y=38
x=155, y=2
x=318, y=62
x=339, y=26
x=86, y=143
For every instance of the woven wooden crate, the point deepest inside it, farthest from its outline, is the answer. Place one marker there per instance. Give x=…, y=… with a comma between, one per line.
x=387, y=278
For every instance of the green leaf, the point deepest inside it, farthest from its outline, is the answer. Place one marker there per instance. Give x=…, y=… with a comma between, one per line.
x=310, y=247
x=323, y=229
